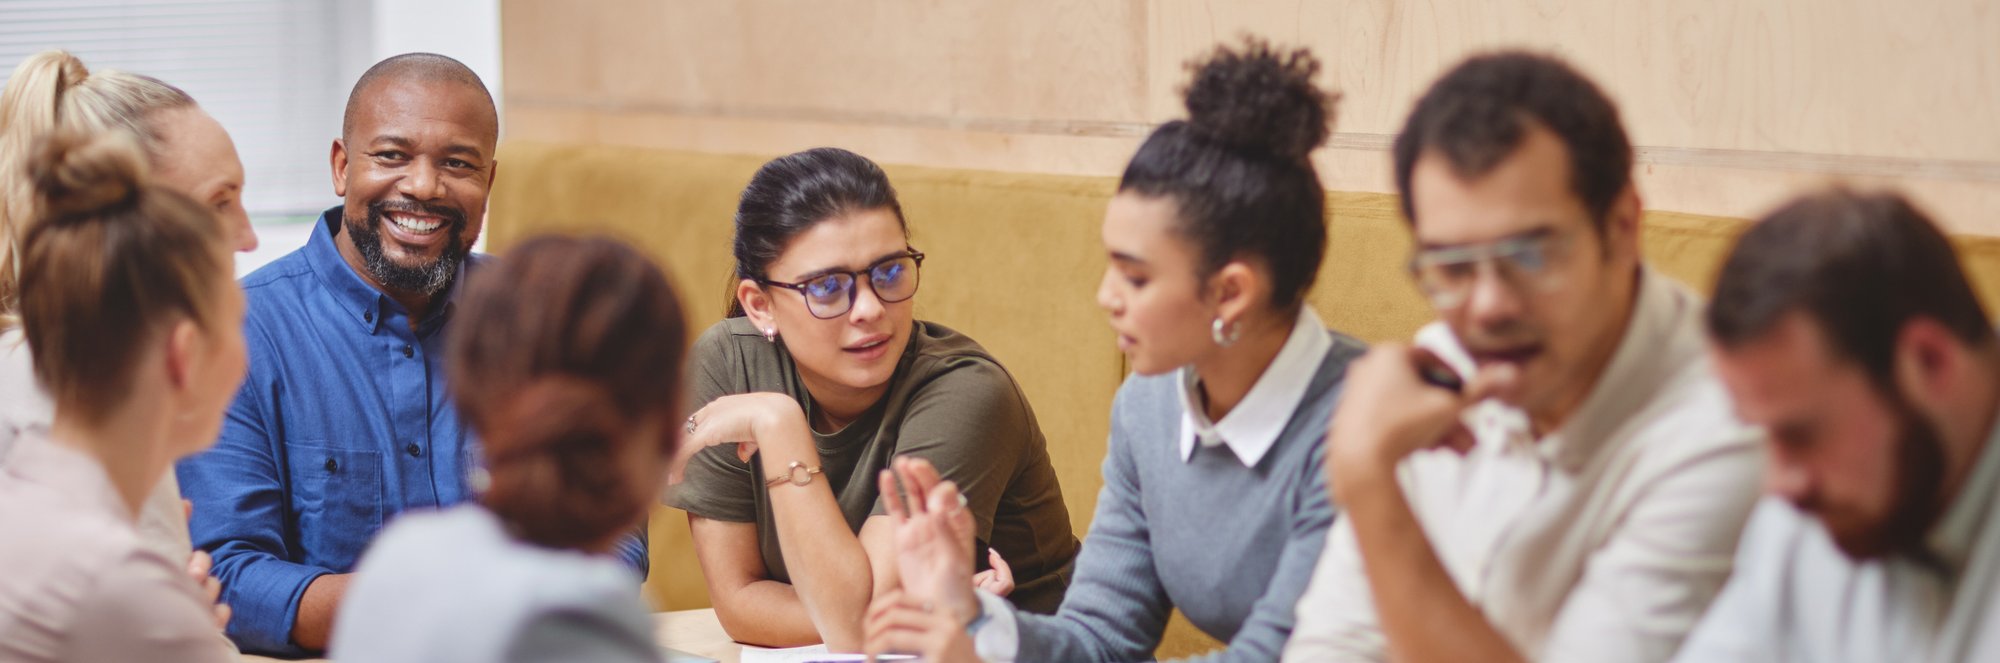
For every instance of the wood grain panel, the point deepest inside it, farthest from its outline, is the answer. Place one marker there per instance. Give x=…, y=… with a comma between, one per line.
x=1826, y=77
x=1734, y=104
x=1010, y=59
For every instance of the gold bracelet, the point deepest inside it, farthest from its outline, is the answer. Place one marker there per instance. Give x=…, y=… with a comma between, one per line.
x=796, y=474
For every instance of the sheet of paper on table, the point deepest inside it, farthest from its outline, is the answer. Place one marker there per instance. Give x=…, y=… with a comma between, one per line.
x=813, y=654
x=678, y=656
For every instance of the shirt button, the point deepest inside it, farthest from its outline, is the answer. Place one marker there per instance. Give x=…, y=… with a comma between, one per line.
x=330, y=465
x=367, y=316
x=414, y=450
x=409, y=352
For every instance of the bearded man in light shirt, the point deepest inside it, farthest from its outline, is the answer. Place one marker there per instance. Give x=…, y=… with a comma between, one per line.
x=1843, y=324
x=1576, y=495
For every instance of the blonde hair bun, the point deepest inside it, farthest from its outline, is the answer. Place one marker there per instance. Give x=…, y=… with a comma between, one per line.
x=79, y=177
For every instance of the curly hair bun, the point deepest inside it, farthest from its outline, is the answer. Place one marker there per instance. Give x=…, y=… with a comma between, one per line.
x=1258, y=98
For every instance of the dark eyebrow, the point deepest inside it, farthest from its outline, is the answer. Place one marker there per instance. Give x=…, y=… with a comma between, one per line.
x=1126, y=258
x=1543, y=230
x=808, y=276
x=464, y=150
x=402, y=143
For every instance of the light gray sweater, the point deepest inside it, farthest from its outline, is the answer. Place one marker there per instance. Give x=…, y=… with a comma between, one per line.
x=453, y=586
x=1231, y=546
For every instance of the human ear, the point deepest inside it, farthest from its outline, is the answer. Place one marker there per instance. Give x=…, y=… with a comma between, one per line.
x=756, y=305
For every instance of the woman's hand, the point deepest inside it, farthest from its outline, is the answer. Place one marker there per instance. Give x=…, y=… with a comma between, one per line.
x=739, y=419
x=900, y=624
x=998, y=580
x=933, y=536
x=198, y=566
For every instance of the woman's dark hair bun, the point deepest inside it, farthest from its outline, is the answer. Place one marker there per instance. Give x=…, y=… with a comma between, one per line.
x=1258, y=98
x=552, y=412
x=77, y=176
x=554, y=459
x=566, y=360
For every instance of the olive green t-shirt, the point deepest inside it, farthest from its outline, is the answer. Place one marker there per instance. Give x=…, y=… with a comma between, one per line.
x=949, y=402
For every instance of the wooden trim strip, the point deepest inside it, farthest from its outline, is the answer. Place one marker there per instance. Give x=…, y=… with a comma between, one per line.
x=1699, y=157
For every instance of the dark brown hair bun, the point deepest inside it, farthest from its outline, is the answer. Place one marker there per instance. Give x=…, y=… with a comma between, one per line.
x=1258, y=98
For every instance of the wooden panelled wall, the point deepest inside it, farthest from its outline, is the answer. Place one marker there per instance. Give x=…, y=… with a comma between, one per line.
x=1734, y=103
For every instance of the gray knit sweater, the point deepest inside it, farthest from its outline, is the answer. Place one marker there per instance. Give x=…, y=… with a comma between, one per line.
x=1231, y=546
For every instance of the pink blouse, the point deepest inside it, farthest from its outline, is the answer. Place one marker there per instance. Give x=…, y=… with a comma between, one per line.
x=24, y=409
x=76, y=583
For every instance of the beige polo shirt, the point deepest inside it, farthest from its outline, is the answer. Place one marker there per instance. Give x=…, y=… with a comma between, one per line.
x=1604, y=540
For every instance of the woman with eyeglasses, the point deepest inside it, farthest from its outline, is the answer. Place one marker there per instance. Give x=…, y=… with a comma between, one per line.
x=819, y=377
x=1214, y=500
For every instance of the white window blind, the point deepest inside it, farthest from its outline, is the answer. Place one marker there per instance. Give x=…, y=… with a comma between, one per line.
x=273, y=72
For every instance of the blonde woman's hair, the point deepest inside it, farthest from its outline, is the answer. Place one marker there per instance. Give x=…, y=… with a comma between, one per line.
x=51, y=91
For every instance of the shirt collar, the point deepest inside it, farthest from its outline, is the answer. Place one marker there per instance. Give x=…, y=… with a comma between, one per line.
x=1252, y=427
x=367, y=305
x=1971, y=511
x=1659, y=341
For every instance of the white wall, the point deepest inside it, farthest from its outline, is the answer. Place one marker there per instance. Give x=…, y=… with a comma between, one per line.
x=468, y=30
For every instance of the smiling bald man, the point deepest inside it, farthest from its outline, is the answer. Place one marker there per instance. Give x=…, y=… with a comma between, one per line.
x=344, y=421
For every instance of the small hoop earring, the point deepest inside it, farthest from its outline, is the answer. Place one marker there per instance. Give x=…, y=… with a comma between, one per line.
x=770, y=334
x=1224, y=333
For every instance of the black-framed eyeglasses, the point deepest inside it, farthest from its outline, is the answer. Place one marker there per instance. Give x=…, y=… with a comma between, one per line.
x=831, y=294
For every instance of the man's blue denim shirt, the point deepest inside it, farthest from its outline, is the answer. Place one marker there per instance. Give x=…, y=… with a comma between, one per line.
x=342, y=423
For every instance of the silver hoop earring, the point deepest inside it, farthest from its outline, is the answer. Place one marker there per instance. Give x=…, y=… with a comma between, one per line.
x=770, y=334
x=1224, y=333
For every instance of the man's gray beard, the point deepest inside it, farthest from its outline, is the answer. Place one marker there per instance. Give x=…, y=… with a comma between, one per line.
x=427, y=279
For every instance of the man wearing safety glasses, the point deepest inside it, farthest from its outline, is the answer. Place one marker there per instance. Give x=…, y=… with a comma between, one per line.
x=1550, y=473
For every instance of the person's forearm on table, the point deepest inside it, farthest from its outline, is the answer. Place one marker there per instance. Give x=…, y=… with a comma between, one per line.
x=766, y=613
x=317, y=606
x=829, y=569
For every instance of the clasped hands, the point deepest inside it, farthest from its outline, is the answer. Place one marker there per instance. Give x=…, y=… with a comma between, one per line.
x=935, y=599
